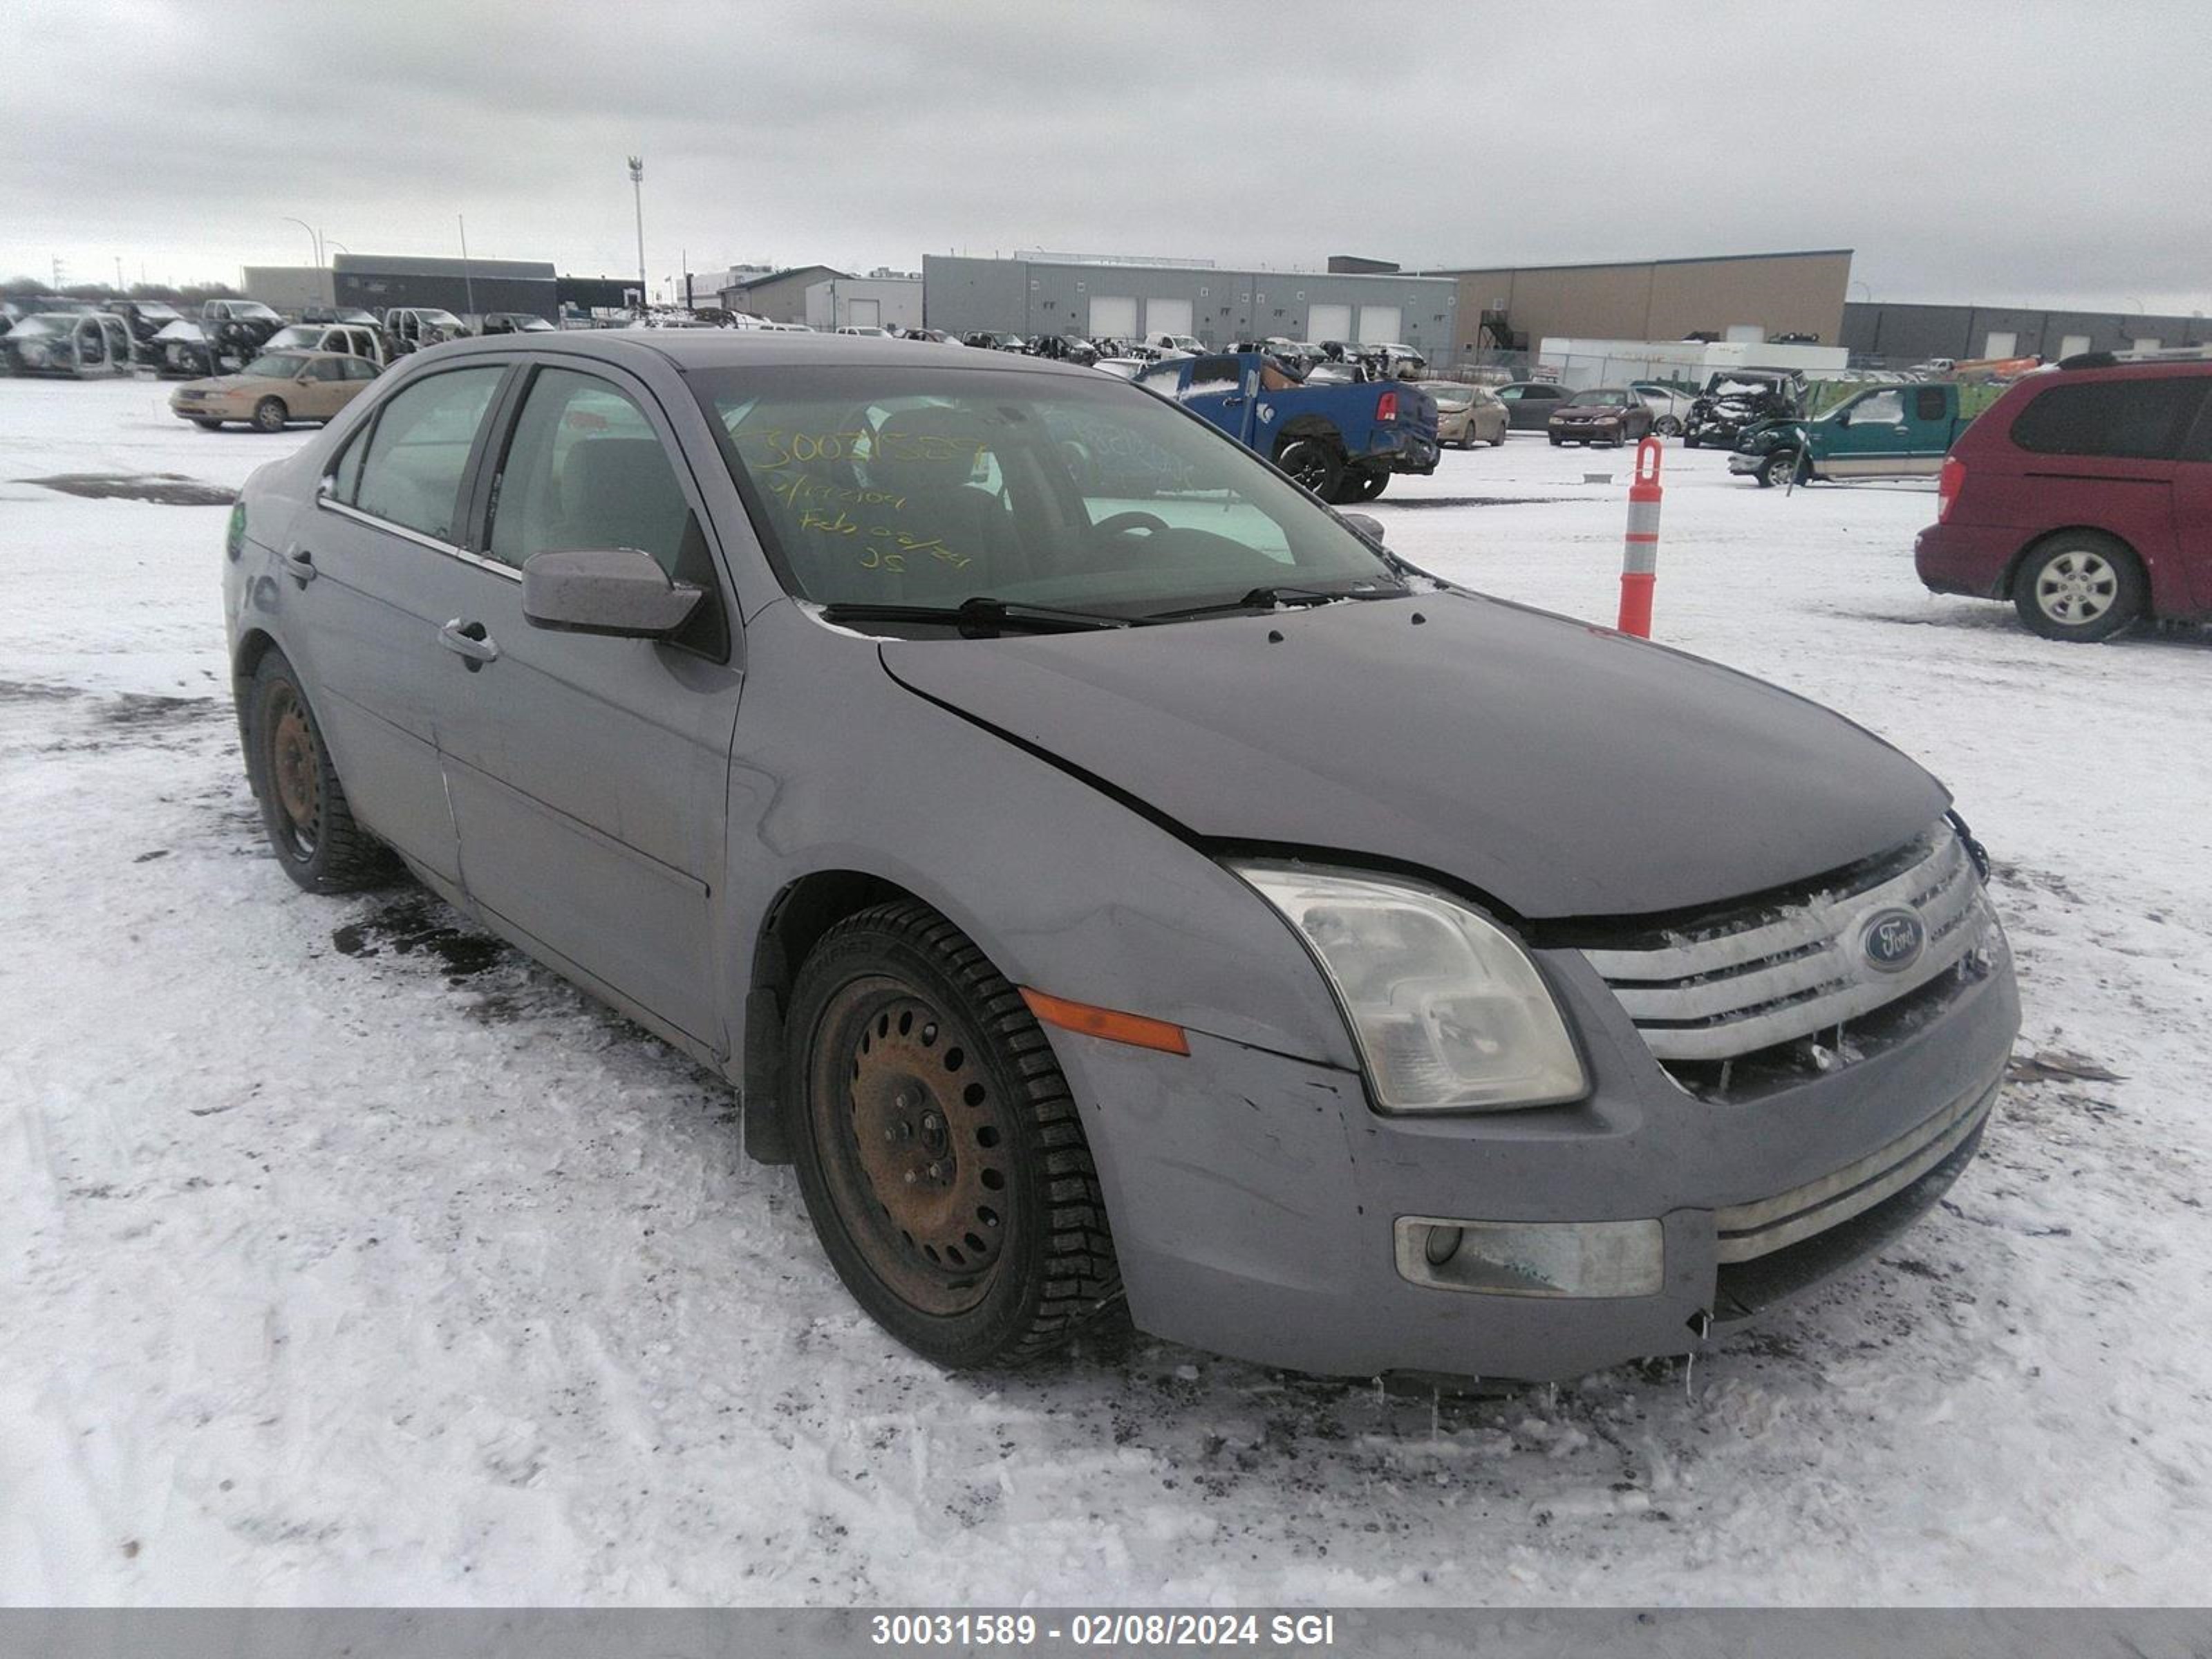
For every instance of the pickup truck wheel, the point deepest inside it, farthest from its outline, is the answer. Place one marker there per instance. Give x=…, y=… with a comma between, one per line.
x=1314, y=461
x=941, y=1158
x=310, y=825
x=1781, y=466
x=1362, y=485
x=269, y=414
x=2079, y=585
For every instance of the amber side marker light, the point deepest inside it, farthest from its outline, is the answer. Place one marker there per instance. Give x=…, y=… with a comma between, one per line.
x=1109, y=1023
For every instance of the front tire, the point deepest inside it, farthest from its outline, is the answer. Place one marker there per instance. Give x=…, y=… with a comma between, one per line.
x=1780, y=468
x=1667, y=427
x=304, y=810
x=269, y=414
x=2079, y=585
x=941, y=1156
x=205, y=424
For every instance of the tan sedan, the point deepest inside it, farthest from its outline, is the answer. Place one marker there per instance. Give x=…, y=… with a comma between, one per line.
x=1467, y=415
x=276, y=387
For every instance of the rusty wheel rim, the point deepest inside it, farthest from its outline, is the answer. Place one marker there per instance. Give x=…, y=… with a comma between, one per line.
x=294, y=770
x=916, y=1147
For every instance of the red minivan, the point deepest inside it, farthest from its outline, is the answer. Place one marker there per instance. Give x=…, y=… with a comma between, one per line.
x=2084, y=496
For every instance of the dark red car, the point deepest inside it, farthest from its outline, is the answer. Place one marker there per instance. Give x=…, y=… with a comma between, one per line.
x=2084, y=496
x=1603, y=414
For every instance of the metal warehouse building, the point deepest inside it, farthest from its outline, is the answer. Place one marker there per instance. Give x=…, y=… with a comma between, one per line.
x=1101, y=299
x=1966, y=332
x=1731, y=297
x=374, y=282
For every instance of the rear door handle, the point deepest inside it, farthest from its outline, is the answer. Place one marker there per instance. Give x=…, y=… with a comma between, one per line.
x=468, y=640
x=299, y=563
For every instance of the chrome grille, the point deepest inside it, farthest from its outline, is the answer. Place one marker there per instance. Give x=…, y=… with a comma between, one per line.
x=1796, y=969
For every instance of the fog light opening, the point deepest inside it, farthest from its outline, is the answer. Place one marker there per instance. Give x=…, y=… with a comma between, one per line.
x=1443, y=1244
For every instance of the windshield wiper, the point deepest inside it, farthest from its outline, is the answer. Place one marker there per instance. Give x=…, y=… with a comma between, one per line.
x=1266, y=599
x=983, y=611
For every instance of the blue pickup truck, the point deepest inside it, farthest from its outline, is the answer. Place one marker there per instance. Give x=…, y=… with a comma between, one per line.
x=1342, y=441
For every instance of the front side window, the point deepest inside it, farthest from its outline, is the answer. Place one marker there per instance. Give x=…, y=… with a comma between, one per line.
x=411, y=469
x=2141, y=420
x=929, y=488
x=585, y=470
x=1880, y=408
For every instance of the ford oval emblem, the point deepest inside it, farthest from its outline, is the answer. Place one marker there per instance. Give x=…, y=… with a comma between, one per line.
x=1892, y=940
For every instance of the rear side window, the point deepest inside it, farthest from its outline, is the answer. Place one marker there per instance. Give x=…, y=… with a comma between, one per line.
x=2142, y=420
x=1928, y=403
x=411, y=472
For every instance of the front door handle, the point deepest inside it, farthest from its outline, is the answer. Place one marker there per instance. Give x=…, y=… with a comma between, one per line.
x=300, y=564
x=468, y=640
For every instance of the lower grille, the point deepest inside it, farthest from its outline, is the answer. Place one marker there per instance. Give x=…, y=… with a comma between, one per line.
x=1744, y=1002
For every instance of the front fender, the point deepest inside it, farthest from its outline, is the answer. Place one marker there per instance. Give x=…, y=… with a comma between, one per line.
x=1065, y=886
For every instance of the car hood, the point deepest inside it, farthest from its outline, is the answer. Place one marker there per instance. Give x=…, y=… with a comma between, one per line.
x=1561, y=768
x=226, y=385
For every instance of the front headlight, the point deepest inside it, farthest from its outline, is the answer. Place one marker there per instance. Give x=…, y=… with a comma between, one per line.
x=1449, y=1012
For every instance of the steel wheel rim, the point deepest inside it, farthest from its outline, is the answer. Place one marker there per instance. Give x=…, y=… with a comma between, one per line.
x=2076, y=587
x=916, y=1147
x=294, y=772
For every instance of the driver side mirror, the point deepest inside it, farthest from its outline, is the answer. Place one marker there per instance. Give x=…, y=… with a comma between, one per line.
x=1843, y=417
x=615, y=591
x=1369, y=529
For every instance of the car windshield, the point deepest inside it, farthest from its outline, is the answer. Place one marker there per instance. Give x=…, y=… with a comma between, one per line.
x=1603, y=397
x=276, y=366
x=1734, y=387
x=1449, y=394
x=300, y=336
x=156, y=312
x=255, y=309
x=440, y=319
x=923, y=487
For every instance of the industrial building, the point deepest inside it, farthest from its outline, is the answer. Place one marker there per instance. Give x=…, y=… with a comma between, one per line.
x=1894, y=332
x=839, y=302
x=1108, y=299
x=377, y=281
x=1747, y=297
x=780, y=296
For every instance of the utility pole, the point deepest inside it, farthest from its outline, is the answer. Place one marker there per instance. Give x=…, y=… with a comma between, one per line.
x=468, y=284
x=637, y=187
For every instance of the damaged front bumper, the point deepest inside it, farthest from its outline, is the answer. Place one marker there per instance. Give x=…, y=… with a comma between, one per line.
x=1261, y=1208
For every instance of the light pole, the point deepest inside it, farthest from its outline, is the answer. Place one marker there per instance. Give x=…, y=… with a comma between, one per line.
x=468, y=282
x=637, y=187
x=314, y=236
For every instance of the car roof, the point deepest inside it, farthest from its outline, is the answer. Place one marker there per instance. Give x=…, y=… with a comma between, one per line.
x=690, y=349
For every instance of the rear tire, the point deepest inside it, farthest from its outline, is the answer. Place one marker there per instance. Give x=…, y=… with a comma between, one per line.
x=310, y=825
x=941, y=1156
x=2079, y=585
x=269, y=414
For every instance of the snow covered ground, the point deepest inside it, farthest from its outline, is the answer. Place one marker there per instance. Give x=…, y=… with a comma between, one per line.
x=345, y=1257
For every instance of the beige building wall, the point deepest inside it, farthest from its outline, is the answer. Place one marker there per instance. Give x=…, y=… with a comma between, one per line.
x=1660, y=300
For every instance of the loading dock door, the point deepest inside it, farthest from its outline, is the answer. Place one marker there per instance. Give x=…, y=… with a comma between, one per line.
x=1167, y=317
x=864, y=313
x=1328, y=323
x=1113, y=319
x=1378, y=325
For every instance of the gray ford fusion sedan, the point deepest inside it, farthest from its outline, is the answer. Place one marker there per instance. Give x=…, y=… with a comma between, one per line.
x=1107, y=873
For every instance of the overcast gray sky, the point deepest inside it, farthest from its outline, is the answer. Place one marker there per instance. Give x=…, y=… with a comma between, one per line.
x=2002, y=153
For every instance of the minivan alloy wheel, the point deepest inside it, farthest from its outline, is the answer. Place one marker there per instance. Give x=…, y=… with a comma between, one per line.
x=2076, y=587
x=2080, y=586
